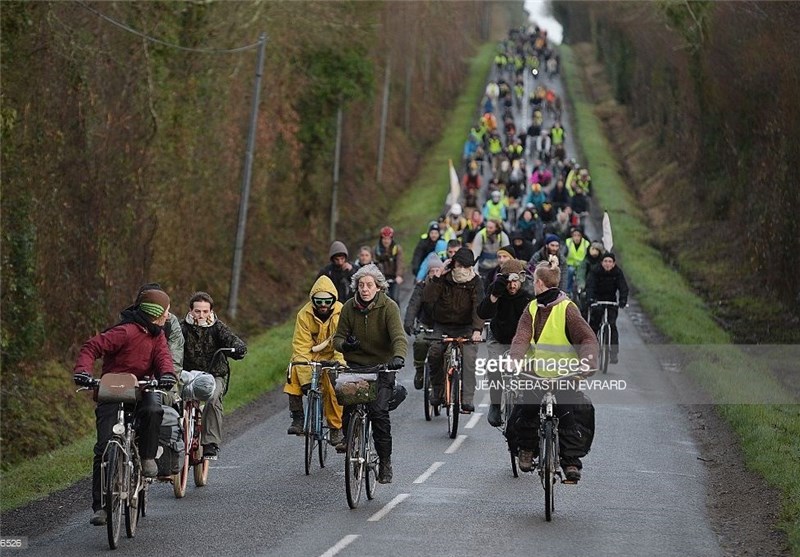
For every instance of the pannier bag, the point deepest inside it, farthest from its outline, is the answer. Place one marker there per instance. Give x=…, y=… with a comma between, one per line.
x=170, y=437
x=197, y=385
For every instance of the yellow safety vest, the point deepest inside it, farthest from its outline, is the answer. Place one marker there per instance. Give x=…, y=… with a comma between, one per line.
x=557, y=134
x=553, y=355
x=575, y=255
x=495, y=145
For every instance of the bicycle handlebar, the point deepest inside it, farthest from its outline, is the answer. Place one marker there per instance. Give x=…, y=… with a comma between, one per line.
x=616, y=304
x=95, y=383
x=444, y=339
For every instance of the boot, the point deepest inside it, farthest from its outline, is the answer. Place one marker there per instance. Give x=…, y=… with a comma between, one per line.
x=385, y=470
x=297, y=423
x=494, y=417
x=419, y=378
x=298, y=416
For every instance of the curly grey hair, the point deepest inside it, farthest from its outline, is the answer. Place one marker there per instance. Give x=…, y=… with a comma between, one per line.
x=370, y=270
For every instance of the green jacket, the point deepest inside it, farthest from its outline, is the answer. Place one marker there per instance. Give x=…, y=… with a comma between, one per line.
x=379, y=329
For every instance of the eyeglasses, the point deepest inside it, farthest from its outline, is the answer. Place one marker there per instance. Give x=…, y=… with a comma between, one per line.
x=322, y=302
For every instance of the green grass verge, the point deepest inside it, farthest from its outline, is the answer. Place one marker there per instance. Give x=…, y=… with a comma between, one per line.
x=769, y=433
x=268, y=354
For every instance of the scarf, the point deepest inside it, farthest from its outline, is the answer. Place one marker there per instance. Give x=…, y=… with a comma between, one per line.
x=138, y=317
x=461, y=275
x=548, y=297
x=361, y=306
x=210, y=320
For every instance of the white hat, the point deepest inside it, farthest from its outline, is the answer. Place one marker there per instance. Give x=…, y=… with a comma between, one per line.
x=455, y=209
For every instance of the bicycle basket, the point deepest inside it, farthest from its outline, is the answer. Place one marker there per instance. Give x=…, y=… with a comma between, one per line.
x=355, y=388
x=118, y=387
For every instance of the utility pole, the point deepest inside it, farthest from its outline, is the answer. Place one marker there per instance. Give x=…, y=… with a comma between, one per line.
x=336, y=157
x=246, y=179
x=384, y=116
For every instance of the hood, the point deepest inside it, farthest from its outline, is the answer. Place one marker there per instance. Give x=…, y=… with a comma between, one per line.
x=323, y=284
x=336, y=248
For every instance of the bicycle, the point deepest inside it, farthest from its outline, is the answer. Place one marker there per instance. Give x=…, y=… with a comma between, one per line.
x=361, y=459
x=427, y=392
x=316, y=433
x=507, y=401
x=192, y=432
x=124, y=489
x=452, y=379
x=548, y=465
x=604, y=334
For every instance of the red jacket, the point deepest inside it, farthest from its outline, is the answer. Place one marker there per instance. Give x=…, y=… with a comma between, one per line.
x=127, y=348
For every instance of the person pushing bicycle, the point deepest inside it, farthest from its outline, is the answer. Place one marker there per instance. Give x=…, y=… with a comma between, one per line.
x=370, y=332
x=312, y=341
x=135, y=345
x=553, y=339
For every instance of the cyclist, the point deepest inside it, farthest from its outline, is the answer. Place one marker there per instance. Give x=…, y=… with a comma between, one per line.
x=506, y=253
x=389, y=259
x=426, y=244
x=339, y=270
x=370, y=332
x=536, y=196
x=606, y=283
x=455, y=296
x=577, y=247
x=314, y=327
x=552, y=246
x=204, y=335
x=554, y=332
x=364, y=257
x=422, y=314
x=134, y=345
x=455, y=223
x=523, y=248
x=495, y=207
x=504, y=305
x=486, y=245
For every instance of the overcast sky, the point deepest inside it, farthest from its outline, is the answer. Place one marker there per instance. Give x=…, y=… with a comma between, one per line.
x=538, y=10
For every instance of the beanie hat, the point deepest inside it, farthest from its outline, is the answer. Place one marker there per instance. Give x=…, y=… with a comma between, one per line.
x=433, y=226
x=509, y=250
x=154, y=303
x=598, y=246
x=464, y=257
x=434, y=262
x=513, y=266
x=551, y=238
x=609, y=254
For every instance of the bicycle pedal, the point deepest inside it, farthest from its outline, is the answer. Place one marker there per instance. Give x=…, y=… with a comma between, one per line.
x=569, y=482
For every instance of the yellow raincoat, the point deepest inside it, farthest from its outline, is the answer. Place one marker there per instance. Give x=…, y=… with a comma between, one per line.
x=310, y=331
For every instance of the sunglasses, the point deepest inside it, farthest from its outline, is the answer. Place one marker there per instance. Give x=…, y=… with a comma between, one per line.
x=322, y=302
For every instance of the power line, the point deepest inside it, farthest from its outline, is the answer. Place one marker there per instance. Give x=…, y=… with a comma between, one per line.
x=165, y=43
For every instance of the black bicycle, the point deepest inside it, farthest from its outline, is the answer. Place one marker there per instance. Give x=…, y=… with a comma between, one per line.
x=604, y=334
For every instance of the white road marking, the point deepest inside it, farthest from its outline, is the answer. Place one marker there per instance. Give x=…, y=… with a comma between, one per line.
x=473, y=420
x=455, y=444
x=340, y=545
x=428, y=473
x=389, y=506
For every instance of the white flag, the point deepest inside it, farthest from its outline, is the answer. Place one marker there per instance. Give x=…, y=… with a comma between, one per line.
x=608, y=238
x=455, y=187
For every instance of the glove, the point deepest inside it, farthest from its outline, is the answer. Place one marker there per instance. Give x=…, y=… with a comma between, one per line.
x=409, y=329
x=167, y=381
x=82, y=378
x=499, y=286
x=397, y=363
x=239, y=352
x=623, y=305
x=350, y=344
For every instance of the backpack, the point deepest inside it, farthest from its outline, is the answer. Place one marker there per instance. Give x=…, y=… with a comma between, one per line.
x=170, y=439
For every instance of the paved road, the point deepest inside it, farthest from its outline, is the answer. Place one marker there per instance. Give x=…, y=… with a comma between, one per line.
x=643, y=491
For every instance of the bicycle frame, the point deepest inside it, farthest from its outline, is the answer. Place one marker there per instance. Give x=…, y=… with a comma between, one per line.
x=123, y=441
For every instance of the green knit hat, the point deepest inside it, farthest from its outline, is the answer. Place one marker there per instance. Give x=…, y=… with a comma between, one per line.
x=154, y=303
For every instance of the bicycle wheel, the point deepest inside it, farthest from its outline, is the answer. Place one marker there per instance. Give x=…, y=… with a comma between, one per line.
x=180, y=479
x=426, y=392
x=309, y=429
x=143, y=501
x=371, y=458
x=324, y=435
x=201, y=468
x=454, y=404
x=354, y=460
x=114, y=465
x=548, y=470
x=132, y=502
x=604, y=347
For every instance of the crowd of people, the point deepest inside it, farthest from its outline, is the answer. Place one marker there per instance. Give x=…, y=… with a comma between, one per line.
x=513, y=251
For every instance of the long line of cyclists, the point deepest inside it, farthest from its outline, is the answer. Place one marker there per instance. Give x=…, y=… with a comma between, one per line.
x=513, y=252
